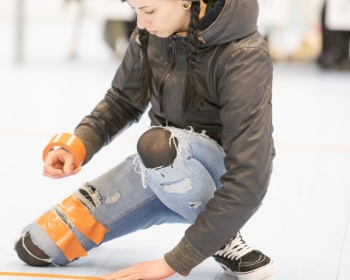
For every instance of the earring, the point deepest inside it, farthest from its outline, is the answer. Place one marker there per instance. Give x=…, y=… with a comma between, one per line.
x=186, y=4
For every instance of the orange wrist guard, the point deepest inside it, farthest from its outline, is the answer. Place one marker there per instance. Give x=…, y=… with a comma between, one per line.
x=69, y=142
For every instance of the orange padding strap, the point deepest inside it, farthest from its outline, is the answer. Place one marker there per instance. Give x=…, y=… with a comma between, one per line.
x=83, y=220
x=47, y=275
x=69, y=142
x=62, y=235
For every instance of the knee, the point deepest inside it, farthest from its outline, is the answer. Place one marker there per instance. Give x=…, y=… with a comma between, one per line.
x=31, y=254
x=157, y=148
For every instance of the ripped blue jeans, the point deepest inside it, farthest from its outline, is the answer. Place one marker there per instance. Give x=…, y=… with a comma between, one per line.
x=131, y=197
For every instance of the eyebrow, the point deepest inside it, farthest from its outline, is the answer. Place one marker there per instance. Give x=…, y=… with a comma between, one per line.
x=140, y=8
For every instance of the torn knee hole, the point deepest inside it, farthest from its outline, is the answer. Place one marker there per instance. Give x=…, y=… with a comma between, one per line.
x=195, y=205
x=157, y=148
x=64, y=218
x=180, y=187
x=89, y=196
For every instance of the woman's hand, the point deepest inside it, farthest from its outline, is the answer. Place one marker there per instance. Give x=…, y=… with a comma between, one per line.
x=59, y=163
x=153, y=270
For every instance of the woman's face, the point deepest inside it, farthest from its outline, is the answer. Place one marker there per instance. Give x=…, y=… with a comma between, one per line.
x=161, y=17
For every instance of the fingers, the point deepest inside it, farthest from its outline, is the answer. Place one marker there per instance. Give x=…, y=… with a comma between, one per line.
x=118, y=276
x=59, y=164
x=51, y=172
x=56, y=173
x=151, y=270
x=69, y=166
x=130, y=273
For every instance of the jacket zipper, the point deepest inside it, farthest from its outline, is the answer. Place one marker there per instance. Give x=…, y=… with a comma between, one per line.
x=173, y=50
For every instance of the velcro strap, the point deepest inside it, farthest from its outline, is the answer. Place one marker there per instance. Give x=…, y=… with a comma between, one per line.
x=77, y=213
x=62, y=235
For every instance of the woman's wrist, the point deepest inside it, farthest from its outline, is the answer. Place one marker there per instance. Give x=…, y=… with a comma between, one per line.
x=90, y=139
x=69, y=142
x=184, y=257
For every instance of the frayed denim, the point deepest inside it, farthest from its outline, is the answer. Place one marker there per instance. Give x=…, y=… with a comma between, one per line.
x=131, y=197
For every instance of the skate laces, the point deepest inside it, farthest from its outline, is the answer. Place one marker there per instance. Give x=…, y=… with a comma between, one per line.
x=235, y=248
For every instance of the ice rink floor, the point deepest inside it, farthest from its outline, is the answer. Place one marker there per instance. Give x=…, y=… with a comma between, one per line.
x=303, y=225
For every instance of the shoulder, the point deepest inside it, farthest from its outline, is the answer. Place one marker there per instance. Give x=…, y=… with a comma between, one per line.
x=252, y=48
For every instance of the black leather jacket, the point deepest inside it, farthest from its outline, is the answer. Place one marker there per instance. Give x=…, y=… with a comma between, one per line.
x=234, y=69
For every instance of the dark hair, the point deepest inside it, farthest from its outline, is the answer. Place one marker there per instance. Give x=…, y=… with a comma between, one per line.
x=146, y=87
x=192, y=99
x=146, y=70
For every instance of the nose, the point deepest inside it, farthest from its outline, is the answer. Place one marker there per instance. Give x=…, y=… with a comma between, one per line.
x=141, y=22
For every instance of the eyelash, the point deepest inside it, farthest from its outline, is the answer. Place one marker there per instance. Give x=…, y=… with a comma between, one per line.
x=149, y=13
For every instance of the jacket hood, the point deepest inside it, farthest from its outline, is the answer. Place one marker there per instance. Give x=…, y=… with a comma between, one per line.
x=229, y=20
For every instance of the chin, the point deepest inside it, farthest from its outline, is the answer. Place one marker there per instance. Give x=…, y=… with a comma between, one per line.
x=163, y=34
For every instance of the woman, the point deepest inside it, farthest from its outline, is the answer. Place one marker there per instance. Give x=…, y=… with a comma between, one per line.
x=206, y=160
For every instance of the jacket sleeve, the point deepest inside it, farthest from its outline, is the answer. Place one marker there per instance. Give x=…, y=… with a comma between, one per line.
x=244, y=88
x=119, y=108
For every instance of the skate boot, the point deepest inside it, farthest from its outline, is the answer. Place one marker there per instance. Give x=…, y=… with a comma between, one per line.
x=241, y=261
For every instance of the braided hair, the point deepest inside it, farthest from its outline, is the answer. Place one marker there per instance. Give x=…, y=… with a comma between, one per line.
x=210, y=4
x=192, y=100
x=146, y=87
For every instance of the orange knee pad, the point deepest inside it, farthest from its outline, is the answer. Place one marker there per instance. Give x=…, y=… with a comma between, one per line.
x=60, y=230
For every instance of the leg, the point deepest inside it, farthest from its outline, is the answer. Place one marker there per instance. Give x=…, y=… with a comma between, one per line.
x=30, y=253
x=183, y=168
x=116, y=201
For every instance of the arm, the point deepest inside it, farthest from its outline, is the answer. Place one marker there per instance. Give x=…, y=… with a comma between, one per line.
x=244, y=88
x=117, y=111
